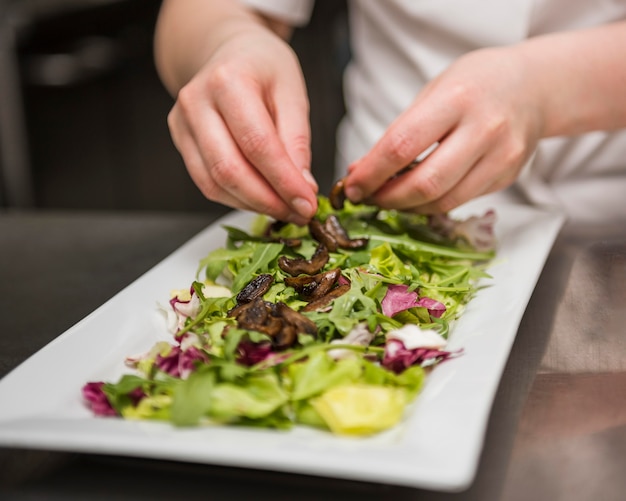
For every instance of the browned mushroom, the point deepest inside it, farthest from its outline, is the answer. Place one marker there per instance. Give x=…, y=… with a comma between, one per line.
x=338, y=232
x=311, y=266
x=301, y=323
x=325, y=300
x=321, y=234
x=314, y=286
x=251, y=314
x=285, y=338
x=333, y=235
x=255, y=288
x=280, y=322
x=337, y=195
x=289, y=242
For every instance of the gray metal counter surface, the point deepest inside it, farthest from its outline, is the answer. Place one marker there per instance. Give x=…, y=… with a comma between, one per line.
x=557, y=429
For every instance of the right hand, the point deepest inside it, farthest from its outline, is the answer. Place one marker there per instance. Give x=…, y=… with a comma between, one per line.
x=241, y=125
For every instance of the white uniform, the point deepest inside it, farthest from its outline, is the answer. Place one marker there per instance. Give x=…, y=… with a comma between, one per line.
x=399, y=45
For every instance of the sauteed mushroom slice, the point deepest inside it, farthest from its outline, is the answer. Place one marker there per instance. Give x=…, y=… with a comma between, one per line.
x=333, y=235
x=311, y=266
x=255, y=288
x=257, y=316
x=320, y=233
x=325, y=300
x=337, y=195
x=286, y=337
x=250, y=314
x=290, y=242
x=301, y=323
x=314, y=286
x=233, y=312
x=280, y=322
x=338, y=232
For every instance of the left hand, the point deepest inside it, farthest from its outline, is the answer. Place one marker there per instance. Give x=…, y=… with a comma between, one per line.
x=485, y=114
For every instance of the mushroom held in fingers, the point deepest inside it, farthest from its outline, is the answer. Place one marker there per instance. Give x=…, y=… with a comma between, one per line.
x=337, y=196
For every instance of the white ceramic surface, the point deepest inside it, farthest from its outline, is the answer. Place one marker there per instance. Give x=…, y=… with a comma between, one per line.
x=437, y=446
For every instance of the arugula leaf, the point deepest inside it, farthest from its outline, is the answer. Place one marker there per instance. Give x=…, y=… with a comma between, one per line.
x=261, y=258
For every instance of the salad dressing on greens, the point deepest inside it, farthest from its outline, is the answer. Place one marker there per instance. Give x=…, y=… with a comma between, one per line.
x=333, y=325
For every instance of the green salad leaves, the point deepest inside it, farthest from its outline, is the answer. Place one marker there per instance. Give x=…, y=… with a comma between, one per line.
x=334, y=325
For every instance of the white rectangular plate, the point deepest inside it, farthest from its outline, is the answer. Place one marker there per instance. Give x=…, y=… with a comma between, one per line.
x=437, y=446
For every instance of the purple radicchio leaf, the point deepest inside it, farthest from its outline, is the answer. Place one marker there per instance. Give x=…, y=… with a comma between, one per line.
x=397, y=358
x=250, y=353
x=180, y=363
x=97, y=399
x=398, y=298
x=434, y=307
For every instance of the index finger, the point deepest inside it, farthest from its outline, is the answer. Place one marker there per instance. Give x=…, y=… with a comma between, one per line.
x=253, y=129
x=410, y=136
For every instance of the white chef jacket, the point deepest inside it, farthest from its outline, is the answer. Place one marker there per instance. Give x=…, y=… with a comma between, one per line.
x=399, y=45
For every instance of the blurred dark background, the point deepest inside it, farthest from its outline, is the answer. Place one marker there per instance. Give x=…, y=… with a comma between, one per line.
x=83, y=113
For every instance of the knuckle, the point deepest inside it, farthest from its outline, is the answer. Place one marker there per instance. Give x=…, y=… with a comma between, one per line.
x=494, y=126
x=210, y=191
x=429, y=186
x=207, y=187
x=254, y=142
x=447, y=203
x=221, y=76
x=301, y=143
x=173, y=127
x=401, y=148
x=186, y=97
x=462, y=94
x=225, y=171
x=171, y=120
x=186, y=103
x=515, y=153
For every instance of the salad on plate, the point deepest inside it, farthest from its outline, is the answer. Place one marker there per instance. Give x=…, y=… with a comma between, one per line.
x=333, y=325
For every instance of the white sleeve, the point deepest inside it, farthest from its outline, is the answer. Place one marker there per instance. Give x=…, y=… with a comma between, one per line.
x=294, y=12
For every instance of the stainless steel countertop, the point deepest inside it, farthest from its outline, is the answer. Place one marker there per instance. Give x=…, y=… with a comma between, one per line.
x=557, y=429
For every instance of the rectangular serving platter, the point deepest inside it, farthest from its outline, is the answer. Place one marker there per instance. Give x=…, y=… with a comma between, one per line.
x=437, y=446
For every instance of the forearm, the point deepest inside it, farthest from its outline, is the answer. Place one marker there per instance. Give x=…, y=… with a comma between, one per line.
x=580, y=79
x=188, y=32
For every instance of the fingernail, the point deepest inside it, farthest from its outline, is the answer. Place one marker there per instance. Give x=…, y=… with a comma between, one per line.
x=306, y=173
x=302, y=207
x=354, y=194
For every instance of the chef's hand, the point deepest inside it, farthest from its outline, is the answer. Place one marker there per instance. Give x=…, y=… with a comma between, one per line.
x=482, y=113
x=241, y=125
